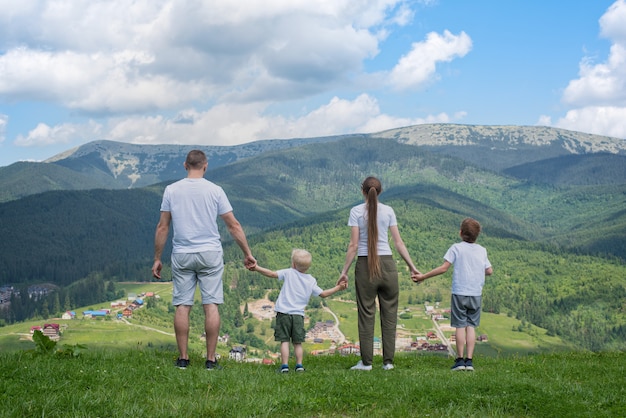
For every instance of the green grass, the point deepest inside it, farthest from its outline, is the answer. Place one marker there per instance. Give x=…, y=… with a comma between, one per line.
x=142, y=382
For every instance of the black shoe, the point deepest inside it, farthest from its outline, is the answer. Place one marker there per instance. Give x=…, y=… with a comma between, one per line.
x=468, y=365
x=212, y=365
x=182, y=363
x=459, y=365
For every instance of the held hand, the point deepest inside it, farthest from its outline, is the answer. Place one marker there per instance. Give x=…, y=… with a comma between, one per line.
x=343, y=281
x=156, y=269
x=249, y=262
x=414, y=275
x=418, y=278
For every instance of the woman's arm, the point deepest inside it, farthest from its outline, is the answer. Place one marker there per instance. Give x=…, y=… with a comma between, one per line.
x=351, y=251
x=401, y=248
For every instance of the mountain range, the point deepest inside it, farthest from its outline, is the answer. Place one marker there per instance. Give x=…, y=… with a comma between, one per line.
x=552, y=204
x=534, y=153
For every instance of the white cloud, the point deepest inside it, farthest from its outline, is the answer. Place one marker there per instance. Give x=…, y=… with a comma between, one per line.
x=599, y=120
x=598, y=96
x=4, y=120
x=112, y=56
x=65, y=133
x=207, y=71
x=419, y=65
x=232, y=124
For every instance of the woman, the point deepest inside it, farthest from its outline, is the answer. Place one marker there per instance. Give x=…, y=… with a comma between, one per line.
x=375, y=273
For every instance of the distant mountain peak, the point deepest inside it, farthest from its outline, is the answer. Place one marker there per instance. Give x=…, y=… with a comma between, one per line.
x=504, y=137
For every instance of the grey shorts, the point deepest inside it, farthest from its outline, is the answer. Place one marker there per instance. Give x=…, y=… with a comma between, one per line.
x=289, y=328
x=204, y=269
x=465, y=311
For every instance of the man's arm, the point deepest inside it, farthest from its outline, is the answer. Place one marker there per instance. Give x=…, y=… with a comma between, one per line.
x=236, y=231
x=160, y=237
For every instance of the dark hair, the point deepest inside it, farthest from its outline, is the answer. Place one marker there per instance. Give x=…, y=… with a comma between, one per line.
x=470, y=228
x=195, y=159
x=371, y=188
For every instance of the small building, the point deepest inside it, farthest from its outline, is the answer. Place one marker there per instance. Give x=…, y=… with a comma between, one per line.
x=349, y=349
x=237, y=353
x=93, y=314
x=52, y=331
x=68, y=315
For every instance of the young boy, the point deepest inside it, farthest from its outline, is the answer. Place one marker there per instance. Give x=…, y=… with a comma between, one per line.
x=471, y=265
x=293, y=298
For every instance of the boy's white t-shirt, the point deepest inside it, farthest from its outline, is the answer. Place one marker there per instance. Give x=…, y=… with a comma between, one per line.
x=470, y=262
x=386, y=218
x=296, y=291
x=195, y=205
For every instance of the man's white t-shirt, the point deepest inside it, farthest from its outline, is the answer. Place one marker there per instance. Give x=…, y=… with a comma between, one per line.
x=195, y=205
x=386, y=218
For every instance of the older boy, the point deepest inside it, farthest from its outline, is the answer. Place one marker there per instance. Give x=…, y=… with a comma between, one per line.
x=471, y=265
x=293, y=298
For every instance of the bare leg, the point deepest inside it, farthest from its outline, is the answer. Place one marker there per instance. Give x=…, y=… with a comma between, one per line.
x=212, y=329
x=181, y=329
x=299, y=352
x=470, y=341
x=284, y=352
x=460, y=341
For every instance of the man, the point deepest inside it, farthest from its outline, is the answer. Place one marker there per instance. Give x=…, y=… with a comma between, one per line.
x=192, y=206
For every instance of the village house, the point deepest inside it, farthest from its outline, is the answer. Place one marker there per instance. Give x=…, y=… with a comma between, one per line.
x=349, y=349
x=237, y=353
x=68, y=315
x=52, y=331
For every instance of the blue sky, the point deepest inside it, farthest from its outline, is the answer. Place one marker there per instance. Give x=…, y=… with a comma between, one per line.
x=223, y=72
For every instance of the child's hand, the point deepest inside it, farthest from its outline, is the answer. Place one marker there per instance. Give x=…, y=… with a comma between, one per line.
x=343, y=282
x=418, y=278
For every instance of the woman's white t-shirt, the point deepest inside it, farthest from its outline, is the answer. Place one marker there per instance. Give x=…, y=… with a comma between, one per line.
x=386, y=218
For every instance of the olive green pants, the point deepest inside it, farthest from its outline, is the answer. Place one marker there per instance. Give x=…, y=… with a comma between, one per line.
x=386, y=290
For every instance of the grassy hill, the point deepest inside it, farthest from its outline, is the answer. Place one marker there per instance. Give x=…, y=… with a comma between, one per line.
x=144, y=382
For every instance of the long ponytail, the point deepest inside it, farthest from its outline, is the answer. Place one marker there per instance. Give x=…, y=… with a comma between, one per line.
x=371, y=189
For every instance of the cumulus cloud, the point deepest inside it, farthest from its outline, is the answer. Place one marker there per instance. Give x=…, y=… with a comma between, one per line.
x=207, y=71
x=65, y=133
x=111, y=56
x=419, y=65
x=598, y=96
x=232, y=124
x=4, y=119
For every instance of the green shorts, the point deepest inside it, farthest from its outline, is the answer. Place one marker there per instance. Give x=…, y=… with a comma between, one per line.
x=289, y=328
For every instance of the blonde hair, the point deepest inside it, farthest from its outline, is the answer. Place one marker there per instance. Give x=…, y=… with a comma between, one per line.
x=301, y=259
x=371, y=188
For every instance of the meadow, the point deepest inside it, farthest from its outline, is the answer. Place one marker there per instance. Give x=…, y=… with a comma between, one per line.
x=144, y=382
x=112, y=368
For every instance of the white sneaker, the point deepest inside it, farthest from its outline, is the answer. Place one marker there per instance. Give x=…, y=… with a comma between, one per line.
x=361, y=366
x=387, y=366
